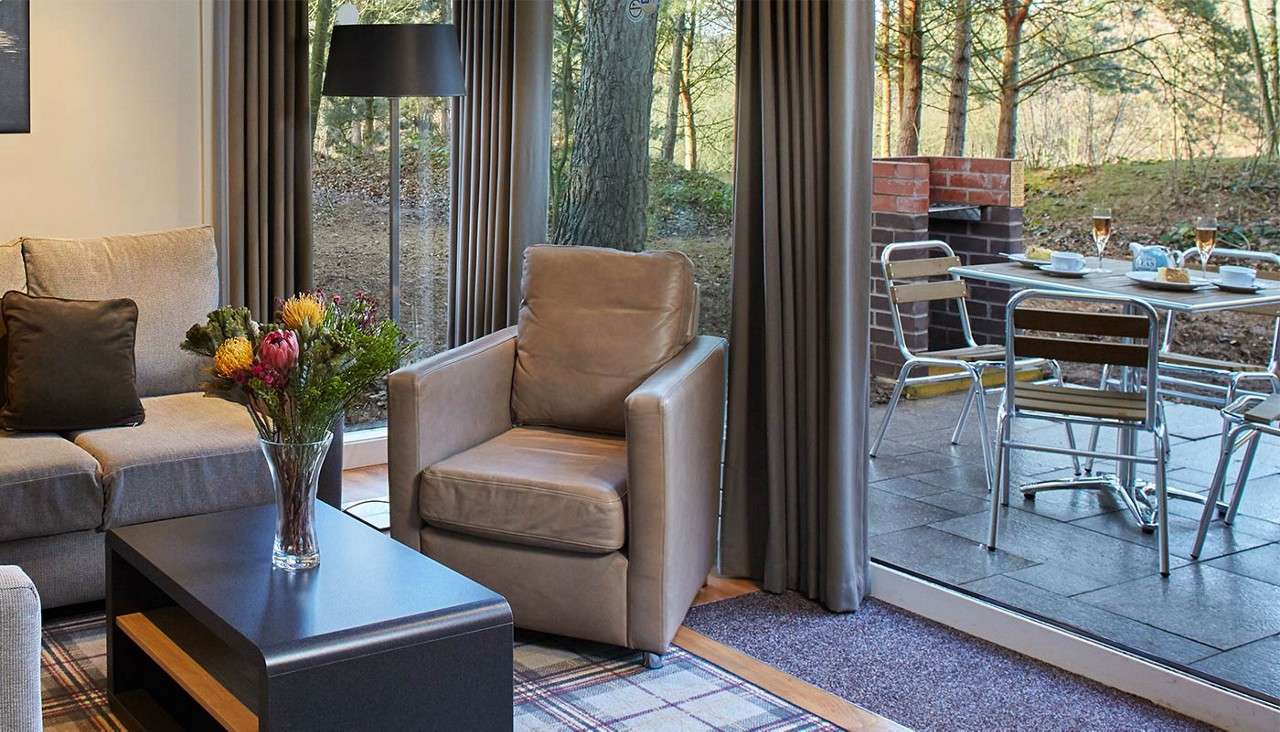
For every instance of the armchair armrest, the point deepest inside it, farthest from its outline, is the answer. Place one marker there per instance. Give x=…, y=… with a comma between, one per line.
x=19, y=651
x=439, y=407
x=675, y=433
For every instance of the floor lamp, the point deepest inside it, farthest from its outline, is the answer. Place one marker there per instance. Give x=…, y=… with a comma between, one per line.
x=393, y=61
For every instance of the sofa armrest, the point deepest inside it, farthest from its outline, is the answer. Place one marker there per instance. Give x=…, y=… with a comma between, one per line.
x=19, y=651
x=439, y=407
x=675, y=432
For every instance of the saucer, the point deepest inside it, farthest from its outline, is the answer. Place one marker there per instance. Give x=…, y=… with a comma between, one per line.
x=1077, y=273
x=1257, y=286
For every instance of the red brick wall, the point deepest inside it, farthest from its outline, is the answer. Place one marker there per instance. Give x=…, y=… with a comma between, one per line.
x=903, y=189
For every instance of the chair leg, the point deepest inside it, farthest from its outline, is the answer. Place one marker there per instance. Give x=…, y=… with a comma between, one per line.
x=893, y=404
x=988, y=462
x=1246, y=464
x=1000, y=492
x=964, y=414
x=1215, y=490
x=1071, y=442
x=1162, y=505
x=1093, y=432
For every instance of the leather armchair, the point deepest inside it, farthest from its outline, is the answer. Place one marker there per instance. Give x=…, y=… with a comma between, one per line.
x=572, y=462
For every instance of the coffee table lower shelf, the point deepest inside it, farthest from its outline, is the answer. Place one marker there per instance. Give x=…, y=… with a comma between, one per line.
x=201, y=665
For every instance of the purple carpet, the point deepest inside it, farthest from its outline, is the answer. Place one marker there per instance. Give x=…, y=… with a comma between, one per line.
x=919, y=673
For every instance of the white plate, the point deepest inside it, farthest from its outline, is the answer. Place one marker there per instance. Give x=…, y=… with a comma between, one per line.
x=1148, y=279
x=1024, y=260
x=1076, y=273
x=1257, y=286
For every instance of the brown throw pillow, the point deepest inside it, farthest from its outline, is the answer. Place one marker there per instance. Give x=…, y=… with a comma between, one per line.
x=70, y=364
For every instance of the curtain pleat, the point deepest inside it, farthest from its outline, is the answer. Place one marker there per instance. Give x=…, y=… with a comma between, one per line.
x=501, y=159
x=262, y=164
x=795, y=461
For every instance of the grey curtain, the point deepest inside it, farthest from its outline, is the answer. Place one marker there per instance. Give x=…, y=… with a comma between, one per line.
x=795, y=496
x=501, y=159
x=262, y=151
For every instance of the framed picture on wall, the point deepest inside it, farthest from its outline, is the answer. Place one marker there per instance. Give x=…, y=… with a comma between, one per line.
x=15, y=66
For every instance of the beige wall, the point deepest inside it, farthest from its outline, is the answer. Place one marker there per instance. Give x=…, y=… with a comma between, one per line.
x=118, y=123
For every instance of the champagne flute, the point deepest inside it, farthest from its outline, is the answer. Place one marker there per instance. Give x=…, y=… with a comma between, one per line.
x=1206, y=239
x=1101, y=231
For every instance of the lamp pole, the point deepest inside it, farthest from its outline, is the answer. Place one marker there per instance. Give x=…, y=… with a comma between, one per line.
x=394, y=104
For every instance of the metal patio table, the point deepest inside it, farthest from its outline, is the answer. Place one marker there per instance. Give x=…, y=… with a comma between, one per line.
x=1115, y=282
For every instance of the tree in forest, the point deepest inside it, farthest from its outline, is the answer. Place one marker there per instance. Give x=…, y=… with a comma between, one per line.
x=607, y=183
x=911, y=74
x=321, y=28
x=958, y=87
x=1260, y=67
x=885, y=57
x=675, y=84
x=686, y=94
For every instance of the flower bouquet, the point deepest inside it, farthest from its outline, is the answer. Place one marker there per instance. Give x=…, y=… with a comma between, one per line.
x=296, y=377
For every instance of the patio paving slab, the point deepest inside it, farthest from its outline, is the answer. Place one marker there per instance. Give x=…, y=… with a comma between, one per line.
x=1253, y=666
x=957, y=501
x=942, y=556
x=1219, y=540
x=1057, y=580
x=1208, y=605
x=908, y=486
x=1262, y=564
x=1047, y=541
x=890, y=512
x=1100, y=622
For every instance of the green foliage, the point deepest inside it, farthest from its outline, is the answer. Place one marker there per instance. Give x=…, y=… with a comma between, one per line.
x=687, y=202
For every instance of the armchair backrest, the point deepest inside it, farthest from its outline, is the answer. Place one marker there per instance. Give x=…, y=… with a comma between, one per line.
x=593, y=325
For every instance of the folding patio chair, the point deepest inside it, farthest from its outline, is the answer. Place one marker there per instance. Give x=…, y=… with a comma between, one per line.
x=909, y=281
x=1137, y=409
x=1250, y=417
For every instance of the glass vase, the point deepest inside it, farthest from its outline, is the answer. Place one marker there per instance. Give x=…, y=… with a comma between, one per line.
x=295, y=472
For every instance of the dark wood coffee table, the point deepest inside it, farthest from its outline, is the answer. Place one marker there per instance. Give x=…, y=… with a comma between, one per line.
x=204, y=634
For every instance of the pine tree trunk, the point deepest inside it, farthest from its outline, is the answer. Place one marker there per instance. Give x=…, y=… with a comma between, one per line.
x=607, y=185
x=912, y=80
x=315, y=67
x=958, y=104
x=886, y=79
x=686, y=100
x=1007, y=127
x=675, y=83
x=1273, y=61
x=1260, y=71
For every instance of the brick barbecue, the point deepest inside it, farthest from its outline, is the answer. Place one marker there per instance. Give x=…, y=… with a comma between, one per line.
x=973, y=204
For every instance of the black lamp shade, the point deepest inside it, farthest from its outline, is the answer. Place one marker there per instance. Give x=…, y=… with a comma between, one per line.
x=404, y=60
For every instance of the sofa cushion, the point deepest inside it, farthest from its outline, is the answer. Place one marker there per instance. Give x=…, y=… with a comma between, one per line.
x=171, y=275
x=536, y=486
x=13, y=273
x=47, y=486
x=70, y=363
x=193, y=455
x=594, y=324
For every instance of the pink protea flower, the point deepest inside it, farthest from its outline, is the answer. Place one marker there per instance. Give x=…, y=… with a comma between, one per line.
x=279, y=350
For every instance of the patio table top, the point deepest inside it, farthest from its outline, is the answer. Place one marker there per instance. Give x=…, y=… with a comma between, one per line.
x=1114, y=282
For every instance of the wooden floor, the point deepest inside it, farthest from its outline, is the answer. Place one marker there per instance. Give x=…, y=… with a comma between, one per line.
x=368, y=484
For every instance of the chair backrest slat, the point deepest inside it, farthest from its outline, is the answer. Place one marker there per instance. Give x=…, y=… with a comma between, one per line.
x=1117, y=325
x=917, y=292
x=1081, y=351
x=928, y=267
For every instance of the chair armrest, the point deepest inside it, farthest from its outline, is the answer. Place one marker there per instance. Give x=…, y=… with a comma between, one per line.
x=19, y=651
x=675, y=434
x=439, y=407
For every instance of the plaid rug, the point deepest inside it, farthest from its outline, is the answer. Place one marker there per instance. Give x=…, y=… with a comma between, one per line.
x=559, y=684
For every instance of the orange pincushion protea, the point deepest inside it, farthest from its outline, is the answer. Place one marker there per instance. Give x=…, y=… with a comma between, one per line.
x=303, y=313
x=233, y=358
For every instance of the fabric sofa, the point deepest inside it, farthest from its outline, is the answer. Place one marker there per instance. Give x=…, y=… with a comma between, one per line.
x=59, y=493
x=19, y=652
x=572, y=462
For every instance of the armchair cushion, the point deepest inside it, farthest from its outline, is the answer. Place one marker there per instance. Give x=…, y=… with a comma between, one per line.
x=594, y=324
x=534, y=486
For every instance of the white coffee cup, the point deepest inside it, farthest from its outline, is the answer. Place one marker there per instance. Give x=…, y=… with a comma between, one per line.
x=1238, y=276
x=1067, y=261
